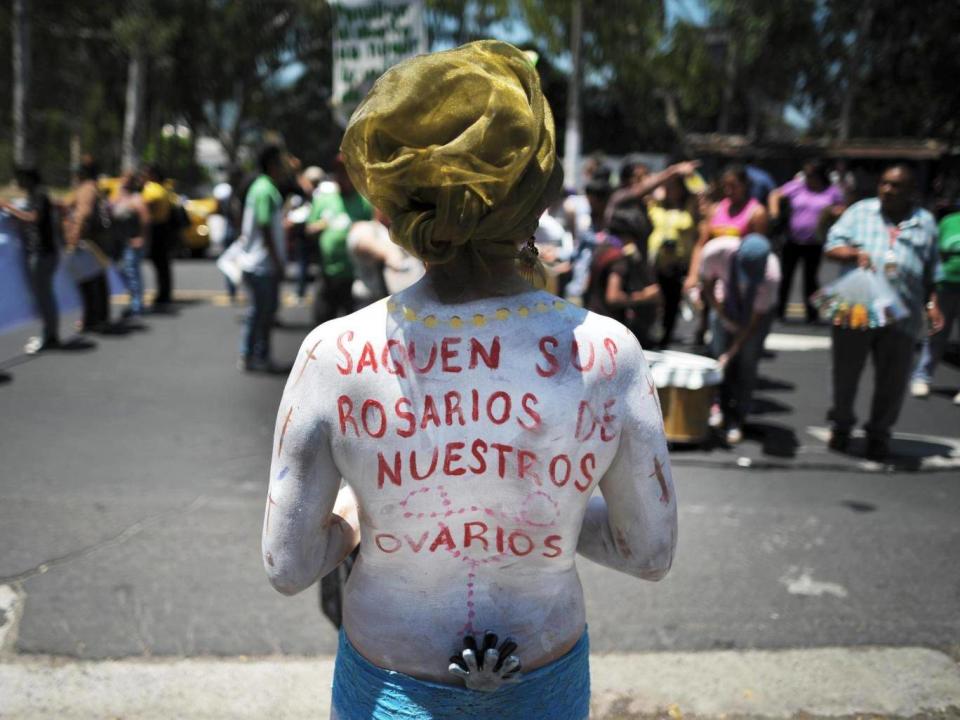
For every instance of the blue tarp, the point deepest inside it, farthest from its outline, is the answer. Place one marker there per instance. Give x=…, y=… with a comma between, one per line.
x=16, y=302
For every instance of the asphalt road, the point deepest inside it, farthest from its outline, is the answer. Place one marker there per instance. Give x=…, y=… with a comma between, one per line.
x=133, y=477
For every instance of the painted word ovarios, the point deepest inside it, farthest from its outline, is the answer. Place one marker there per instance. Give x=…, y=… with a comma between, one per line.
x=476, y=537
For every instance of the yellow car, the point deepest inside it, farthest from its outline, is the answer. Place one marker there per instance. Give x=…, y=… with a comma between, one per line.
x=196, y=237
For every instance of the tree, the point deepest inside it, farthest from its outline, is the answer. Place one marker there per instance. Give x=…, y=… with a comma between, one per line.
x=896, y=69
x=769, y=53
x=22, y=151
x=142, y=35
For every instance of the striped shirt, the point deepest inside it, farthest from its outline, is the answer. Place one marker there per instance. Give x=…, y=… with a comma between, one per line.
x=913, y=242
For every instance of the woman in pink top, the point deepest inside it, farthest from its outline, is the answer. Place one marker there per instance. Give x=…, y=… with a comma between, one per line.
x=736, y=215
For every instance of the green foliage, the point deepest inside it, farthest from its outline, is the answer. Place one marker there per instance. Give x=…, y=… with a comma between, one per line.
x=907, y=66
x=242, y=71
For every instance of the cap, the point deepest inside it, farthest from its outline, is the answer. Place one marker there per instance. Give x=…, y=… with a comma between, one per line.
x=752, y=258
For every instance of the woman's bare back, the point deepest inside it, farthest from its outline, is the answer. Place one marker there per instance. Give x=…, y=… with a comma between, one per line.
x=473, y=437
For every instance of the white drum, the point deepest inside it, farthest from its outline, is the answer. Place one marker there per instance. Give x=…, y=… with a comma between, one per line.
x=685, y=384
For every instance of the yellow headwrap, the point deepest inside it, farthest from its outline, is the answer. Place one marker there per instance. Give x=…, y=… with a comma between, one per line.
x=457, y=148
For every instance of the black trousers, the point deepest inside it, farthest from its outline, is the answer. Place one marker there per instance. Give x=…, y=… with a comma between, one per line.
x=891, y=351
x=334, y=299
x=160, y=248
x=794, y=253
x=95, y=296
x=671, y=286
x=40, y=270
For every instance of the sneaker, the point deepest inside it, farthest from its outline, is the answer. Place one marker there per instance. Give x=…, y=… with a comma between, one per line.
x=734, y=436
x=716, y=417
x=878, y=449
x=920, y=388
x=38, y=345
x=839, y=440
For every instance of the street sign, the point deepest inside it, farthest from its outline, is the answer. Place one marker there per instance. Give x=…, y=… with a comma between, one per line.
x=369, y=37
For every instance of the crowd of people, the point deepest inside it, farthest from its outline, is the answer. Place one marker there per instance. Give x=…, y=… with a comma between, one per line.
x=726, y=252
x=90, y=230
x=647, y=250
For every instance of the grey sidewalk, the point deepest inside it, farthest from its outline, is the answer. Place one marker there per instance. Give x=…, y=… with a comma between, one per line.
x=826, y=682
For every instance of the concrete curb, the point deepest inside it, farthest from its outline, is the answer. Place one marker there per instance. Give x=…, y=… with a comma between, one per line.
x=825, y=682
x=11, y=610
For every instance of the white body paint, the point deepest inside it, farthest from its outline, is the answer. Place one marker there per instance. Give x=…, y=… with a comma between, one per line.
x=467, y=548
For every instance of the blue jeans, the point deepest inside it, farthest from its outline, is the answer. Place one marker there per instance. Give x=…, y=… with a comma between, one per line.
x=740, y=376
x=932, y=348
x=132, y=278
x=264, y=293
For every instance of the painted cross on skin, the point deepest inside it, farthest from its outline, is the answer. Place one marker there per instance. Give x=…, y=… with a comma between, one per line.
x=310, y=356
x=661, y=478
x=271, y=502
x=652, y=387
x=283, y=432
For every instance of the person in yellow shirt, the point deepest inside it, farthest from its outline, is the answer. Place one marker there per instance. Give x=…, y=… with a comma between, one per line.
x=675, y=220
x=162, y=234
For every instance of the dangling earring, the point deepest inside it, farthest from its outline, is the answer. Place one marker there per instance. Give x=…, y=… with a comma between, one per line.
x=530, y=267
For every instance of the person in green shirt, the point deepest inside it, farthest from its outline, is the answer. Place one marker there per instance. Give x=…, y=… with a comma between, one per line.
x=948, y=297
x=331, y=216
x=263, y=259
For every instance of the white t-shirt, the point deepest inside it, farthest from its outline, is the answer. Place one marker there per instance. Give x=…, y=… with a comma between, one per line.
x=715, y=265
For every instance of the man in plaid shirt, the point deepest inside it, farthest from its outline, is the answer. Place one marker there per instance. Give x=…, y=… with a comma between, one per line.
x=893, y=235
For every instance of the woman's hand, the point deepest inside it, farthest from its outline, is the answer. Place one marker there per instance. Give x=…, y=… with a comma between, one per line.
x=486, y=668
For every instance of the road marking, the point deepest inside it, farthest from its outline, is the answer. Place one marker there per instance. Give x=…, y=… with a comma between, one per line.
x=788, y=342
x=931, y=452
x=800, y=582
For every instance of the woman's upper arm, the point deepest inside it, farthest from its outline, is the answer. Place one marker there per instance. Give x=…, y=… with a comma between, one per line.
x=304, y=479
x=638, y=485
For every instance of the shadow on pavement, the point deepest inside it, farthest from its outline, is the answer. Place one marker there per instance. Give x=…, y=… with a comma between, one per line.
x=772, y=384
x=77, y=343
x=776, y=440
x=905, y=453
x=944, y=391
x=768, y=406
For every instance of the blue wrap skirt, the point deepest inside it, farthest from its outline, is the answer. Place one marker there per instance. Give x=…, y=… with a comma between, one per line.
x=558, y=691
